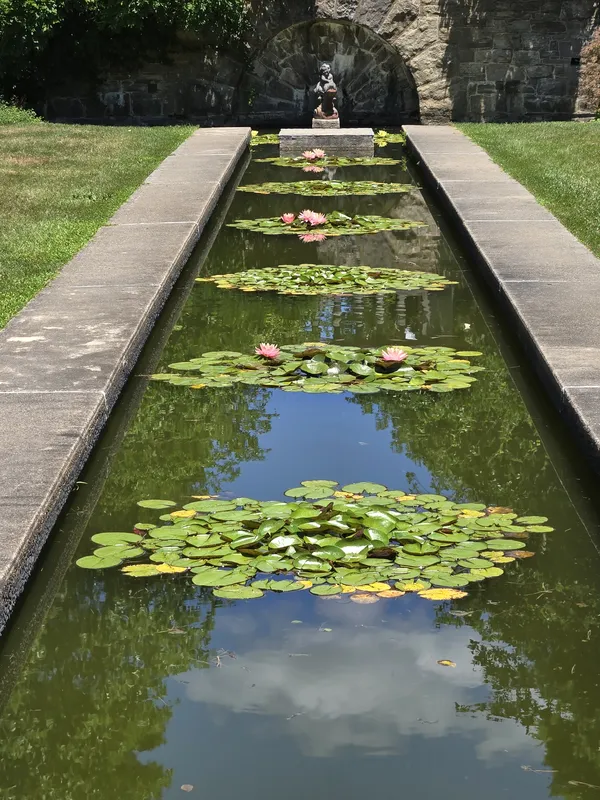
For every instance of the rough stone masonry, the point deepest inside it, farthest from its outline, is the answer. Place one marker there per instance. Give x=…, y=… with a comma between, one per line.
x=395, y=61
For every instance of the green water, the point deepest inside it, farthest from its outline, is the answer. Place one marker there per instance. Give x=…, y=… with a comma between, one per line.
x=123, y=688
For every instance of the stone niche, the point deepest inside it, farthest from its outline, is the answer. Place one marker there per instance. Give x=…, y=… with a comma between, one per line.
x=395, y=61
x=374, y=83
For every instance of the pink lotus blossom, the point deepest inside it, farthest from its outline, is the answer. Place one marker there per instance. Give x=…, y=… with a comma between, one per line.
x=394, y=354
x=267, y=350
x=312, y=218
x=312, y=237
x=309, y=155
x=287, y=218
x=312, y=168
x=319, y=153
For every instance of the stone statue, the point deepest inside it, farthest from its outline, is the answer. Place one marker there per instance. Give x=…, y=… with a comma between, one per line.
x=326, y=93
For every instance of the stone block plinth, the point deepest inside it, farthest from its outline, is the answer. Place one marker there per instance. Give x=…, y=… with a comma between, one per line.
x=357, y=142
x=326, y=123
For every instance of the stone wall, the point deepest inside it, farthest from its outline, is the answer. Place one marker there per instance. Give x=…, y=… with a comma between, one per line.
x=395, y=60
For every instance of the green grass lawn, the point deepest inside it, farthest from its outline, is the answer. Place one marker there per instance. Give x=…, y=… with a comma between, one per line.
x=559, y=162
x=58, y=185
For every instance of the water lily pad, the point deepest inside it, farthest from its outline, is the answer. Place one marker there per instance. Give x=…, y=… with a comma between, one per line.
x=238, y=592
x=337, y=224
x=328, y=188
x=362, y=539
x=140, y=570
x=156, y=503
x=212, y=576
x=442, y=594
x=329, y=368
x=116, y=538
x=326, y=589
x=330, y=161
x=364, y=598
x=93, y=562
x=365, y=487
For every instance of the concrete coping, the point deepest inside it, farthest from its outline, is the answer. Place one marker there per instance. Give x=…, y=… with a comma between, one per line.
x=65, y=357
x=547, y=281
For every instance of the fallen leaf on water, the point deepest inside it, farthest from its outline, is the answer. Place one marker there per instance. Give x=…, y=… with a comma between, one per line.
x=203, y=496
x=445, y=663
x=296, y=622
x=348, y=589
x=187, y=787
x=305, y=583
x=184, y=514
x=391, y=593
x=525, y=768
x=500, y=510
x=521, y=553
x=583, y=783
x=364, y=598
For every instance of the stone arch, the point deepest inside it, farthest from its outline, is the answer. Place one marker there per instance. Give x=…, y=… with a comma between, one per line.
x=375, y=85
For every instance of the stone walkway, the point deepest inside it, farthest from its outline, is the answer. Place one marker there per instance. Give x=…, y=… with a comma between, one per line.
x=65, y=358
x=548, y=282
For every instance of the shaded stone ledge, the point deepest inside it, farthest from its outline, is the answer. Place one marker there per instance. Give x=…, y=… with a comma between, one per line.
x=546, y=280
x=66, y=356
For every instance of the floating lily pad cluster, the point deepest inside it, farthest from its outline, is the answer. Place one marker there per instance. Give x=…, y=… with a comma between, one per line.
x=318, y=367
x=363, y=538
x=263, y=138
x=330, y=161
x=327, y=279
x=337, y=224
x=317, y=188
x=383, y=138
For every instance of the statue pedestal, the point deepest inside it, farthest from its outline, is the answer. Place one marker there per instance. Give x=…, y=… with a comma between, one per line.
x=326, y=123
x=352, y=142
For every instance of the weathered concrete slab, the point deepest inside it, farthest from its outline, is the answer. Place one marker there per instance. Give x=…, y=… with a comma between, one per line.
x=65, y=358
x=547, y=280
x=355, y=142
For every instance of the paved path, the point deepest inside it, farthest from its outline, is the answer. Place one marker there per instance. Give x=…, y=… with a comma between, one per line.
x=548, y=281
x=65, y=358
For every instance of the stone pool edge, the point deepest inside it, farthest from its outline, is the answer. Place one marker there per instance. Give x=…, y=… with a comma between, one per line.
x=544, y=278
x=66, y=356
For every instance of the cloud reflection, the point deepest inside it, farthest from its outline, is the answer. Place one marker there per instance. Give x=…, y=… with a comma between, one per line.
x=367, y=684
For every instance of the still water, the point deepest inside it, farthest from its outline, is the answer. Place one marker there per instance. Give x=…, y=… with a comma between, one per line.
x=134, y=688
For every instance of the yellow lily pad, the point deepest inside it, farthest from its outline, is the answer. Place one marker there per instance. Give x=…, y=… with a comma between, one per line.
x=169, y=568
x=442, y=594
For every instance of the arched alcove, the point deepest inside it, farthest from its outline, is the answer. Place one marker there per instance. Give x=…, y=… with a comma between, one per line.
x=375, y=86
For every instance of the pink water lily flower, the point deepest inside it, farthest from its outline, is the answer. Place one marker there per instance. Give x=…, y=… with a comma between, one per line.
x=267, y=350
x=309, y=155
x=319, y=153
x=394, y=354
x=287, y=218
x=312, y=168
x=312, y=237
x=312, y=218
